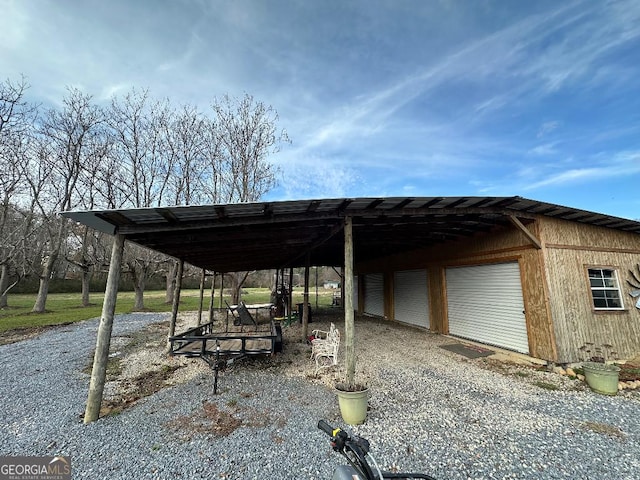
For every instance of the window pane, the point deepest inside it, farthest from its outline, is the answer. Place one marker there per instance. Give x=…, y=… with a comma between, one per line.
x=610, y=282
x=599, y=303
x=593, y=273
x=596, y=282
x=607, y=273
x=614, y=303
x=613, y=299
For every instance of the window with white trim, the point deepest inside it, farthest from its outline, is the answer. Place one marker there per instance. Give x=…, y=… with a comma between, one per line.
x=605, y=289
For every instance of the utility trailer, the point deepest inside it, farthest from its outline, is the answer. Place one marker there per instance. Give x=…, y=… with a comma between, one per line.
x=220, y=348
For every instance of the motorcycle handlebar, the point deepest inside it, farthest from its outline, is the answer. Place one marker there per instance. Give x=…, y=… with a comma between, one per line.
x=325, y=427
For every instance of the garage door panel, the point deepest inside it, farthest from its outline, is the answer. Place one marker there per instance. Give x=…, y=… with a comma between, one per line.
x=411, y=300
x=374, y=294
x=485, y=304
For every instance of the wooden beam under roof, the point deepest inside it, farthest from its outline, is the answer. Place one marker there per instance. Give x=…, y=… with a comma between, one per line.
x=527, y=233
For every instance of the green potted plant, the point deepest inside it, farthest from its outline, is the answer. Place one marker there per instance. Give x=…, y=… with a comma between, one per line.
x=600, y=373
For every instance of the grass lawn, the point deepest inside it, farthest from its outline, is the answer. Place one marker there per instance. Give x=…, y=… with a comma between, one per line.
x=66, y=307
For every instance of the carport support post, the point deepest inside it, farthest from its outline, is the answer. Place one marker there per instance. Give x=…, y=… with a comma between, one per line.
x=290, y=300
x=202, y=279
x=342, y=287
x=316, y=288
x=221, y=289
x=349, y=326
x=305, y=303
x=176, y=301
x=101, y=356
x=213, y=292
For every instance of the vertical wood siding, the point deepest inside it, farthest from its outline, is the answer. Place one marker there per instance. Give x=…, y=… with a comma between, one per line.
x=570, y=249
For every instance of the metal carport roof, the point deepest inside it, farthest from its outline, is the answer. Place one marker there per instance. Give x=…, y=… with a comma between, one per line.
x=264, y=235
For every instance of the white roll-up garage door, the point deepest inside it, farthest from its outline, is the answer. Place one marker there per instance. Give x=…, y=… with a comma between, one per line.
x=411, y=297
x=485, y=304
x=374, y=294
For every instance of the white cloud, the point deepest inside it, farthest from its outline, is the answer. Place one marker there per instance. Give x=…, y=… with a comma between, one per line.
x=544, y=149
x=621, y=164
x=547, y=127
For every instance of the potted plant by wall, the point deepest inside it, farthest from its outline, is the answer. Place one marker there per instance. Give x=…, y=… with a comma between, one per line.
x=599, y=372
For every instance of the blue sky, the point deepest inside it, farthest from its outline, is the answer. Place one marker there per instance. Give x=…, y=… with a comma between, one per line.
x=380, y=98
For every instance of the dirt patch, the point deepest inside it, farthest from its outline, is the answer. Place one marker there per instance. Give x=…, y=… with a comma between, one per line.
x=139, y=387
x=219, y=421
x=20, y=334
x=604, y=429
x=211, y=419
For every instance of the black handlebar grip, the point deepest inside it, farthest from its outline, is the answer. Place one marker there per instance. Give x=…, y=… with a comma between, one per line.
x=325, y=427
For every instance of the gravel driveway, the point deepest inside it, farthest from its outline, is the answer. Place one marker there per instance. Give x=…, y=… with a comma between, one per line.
x=431, y=410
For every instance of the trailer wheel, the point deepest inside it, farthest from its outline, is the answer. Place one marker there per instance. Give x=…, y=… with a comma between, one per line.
x=277, y=347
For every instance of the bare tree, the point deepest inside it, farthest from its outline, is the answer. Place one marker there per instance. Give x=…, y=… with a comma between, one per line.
x=247, y=134
x=88, y=249
x=16, y=114
x=19, y=245
x=16, y=120
x=139, y=126
x=244, y=134
x=136, y=124
x=64, y=147
x=184, y=142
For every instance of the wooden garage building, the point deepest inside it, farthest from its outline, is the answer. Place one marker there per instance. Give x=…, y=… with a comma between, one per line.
x=545, y=293
x=527, y=276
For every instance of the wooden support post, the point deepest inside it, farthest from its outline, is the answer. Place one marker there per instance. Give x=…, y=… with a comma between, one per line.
x=316, y=288
x=202, y=279
x=305, y=302
x=101, y=356
x=222, y=290
x=349, y=320
x=176, y=300
x=342, y=287
x=213, y=291
x=290, y=295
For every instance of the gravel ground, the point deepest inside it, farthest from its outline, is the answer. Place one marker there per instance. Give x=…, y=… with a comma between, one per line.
x=430, y=410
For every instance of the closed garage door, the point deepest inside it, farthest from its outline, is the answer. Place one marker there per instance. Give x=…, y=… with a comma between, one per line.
x=410, y=297
x=485, y=304
x=374, y=294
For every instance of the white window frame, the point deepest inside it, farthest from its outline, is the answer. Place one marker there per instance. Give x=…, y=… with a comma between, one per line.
x=604, y=287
